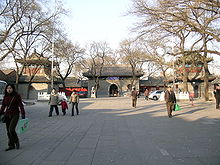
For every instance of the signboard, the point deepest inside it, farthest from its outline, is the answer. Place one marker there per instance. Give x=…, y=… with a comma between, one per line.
x=112, y=78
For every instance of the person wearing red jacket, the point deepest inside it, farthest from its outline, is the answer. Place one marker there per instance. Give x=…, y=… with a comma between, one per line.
x=12, y=105
x=64, y=106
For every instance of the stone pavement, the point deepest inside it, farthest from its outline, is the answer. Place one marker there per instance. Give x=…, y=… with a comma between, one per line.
x=109, y=131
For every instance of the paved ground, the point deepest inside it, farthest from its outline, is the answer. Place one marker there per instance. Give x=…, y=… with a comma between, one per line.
x=109, y=132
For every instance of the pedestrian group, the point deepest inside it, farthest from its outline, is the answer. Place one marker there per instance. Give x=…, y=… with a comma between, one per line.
x=54, y=102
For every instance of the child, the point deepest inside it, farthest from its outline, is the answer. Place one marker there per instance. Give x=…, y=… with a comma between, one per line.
x=64, y=106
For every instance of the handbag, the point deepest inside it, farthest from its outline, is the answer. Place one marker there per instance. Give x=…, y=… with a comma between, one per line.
x=177, y=107
x=3, y=118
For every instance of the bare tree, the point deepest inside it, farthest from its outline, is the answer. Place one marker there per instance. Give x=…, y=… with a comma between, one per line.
x=156, y=54
x=67, y=55
x=132, y=53
x=182, y=19
x=15, y=15
x=94, y=61
x=32, y=30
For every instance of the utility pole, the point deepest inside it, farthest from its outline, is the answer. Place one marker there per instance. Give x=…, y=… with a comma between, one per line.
x=53, y=33
x=174, y=77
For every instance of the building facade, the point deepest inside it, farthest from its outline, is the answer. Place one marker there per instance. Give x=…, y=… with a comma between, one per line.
x=114, y=81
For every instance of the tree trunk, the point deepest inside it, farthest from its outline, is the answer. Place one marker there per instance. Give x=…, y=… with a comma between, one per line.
x=17, y=80
x=185, y=76
x=206, y=81
x=164, y=75
x=28, y=90
x=29, y=86
x=206, y=76
x=64, y=86
x=96, y=86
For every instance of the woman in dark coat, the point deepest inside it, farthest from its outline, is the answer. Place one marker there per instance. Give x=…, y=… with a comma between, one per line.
x=11, y=107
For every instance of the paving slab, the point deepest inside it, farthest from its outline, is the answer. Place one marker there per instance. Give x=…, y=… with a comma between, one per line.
x=109, y=131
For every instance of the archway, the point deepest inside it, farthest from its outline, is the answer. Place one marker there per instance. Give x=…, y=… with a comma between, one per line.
x=113, y=90
x=196, y=91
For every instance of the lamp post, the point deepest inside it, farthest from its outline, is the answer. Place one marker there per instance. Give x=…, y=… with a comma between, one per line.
x=174, y=77
x=53, y=32
x=52, y=64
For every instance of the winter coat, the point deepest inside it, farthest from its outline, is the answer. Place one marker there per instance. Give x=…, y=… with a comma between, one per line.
x=54, y=99
x=134, y=94
x=170, y=96
x=64, y=105
x=15, y=106
x=74, y=98
x=217, y=93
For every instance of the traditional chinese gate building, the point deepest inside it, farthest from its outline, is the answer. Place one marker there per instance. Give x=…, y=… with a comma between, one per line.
x=114, y=80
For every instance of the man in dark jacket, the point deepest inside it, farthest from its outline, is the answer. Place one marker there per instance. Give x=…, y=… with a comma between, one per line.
x=217, y=96
x=170, y=99
x=134, y=95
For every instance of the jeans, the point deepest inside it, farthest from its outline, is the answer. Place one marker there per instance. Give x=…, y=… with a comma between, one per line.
x=51, y=109
x=75, y=104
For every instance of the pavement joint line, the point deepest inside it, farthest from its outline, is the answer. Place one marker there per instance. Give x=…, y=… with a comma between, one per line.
x=164, y=152
x=93, y=156
x=149, y=132
x=79, y=143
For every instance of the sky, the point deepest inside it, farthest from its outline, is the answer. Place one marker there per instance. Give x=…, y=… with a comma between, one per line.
x=98, y=20
x=102, y=20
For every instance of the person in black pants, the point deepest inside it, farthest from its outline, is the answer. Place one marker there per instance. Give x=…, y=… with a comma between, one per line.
x=217, y=96
x=53, y=102
x=11, y=107
x=74, y=99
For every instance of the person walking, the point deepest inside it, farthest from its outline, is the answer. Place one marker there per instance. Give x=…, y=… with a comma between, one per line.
x=217, y=96
x=53, y=102
x=146, y=94
x=74, y=99
x=134, y=95
x=170, y=99
x=64, y=106
x=12, y=106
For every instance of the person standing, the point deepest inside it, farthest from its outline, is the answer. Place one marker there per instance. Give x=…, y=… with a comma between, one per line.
x=134, y=95
x=64, y=106
x=74, y=99
x=12, y=106
x=170, y=99
x=217, y=96
x=146, y=94
x=53, y=102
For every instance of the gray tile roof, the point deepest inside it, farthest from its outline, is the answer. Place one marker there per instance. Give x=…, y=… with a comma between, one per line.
x=116, y=71
x=10, y=77
x=216, y=81
x=153, y=81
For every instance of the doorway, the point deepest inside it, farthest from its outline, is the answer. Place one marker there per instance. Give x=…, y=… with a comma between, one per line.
x=113, y=90
x=196, y=91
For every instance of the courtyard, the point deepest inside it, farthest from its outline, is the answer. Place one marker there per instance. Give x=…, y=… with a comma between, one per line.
x=109, y=131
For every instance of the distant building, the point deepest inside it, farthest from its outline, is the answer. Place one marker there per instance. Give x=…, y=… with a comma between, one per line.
x=114, y=80
x=152, y=84
x=195, y=73
x=73, y=83
x=37, y=65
